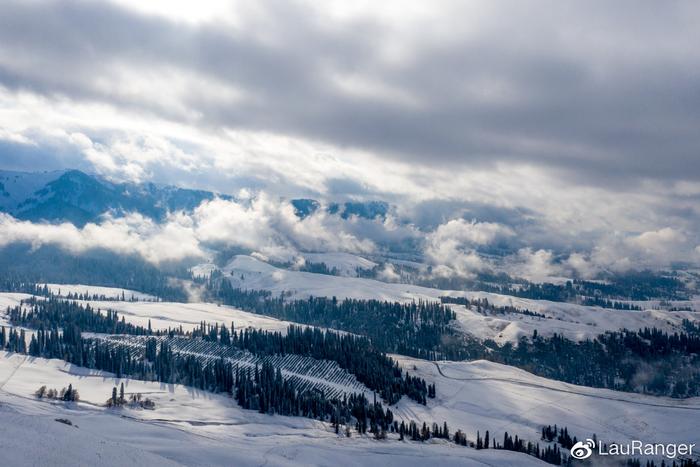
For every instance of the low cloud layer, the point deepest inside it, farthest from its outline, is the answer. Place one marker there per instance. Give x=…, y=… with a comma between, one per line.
x=264, y=226
x=134, y=234
x=267, y=227
x=452, y=248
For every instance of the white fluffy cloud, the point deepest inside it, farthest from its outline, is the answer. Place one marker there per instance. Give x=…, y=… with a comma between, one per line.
x=619, y=252
x=451, y=248
x=170, y=241
x=265, y=226
x=388, y=273
x=535, y=266
x=271, y=227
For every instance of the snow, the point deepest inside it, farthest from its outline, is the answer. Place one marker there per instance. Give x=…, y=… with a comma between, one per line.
x=30, y=439
x=109, y=292
x=9, y=300
x=192, y=427
x=21, y=185
x=164, y=315
x=306, y=373
x=203, y=269
x=189, y=315
x=482, y=395
x=571, y=320
x=188, y=427
x=345, y=263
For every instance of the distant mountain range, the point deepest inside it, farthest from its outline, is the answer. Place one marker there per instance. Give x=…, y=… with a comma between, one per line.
x=79, y=198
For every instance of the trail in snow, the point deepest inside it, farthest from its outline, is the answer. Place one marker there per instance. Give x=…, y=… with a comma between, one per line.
x=16, y=369
x=567, y=391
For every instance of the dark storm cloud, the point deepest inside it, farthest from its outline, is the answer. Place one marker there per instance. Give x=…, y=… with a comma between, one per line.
x=608, y=92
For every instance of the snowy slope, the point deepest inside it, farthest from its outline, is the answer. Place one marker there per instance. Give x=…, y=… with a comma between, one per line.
x=188, y=427
x=189, y=315
x=471, y=396
x=345, y=263
x=305, y=373
x=16, y=187
x=9, y=299
x=164, y=315
x=30, y=439
x=571, y=320
x=109, y=292
x=483, y=396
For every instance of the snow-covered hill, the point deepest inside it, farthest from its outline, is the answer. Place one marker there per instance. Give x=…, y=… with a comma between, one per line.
x=482, y=395
x=17, y=187
x=345, y=264
x=470, y=395
x=114, y=293
x=304, y=373
x=571, y=320
x=187, y=427
x=166, y=314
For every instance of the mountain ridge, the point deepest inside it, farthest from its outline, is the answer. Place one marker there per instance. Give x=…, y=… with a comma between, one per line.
x=77, y=197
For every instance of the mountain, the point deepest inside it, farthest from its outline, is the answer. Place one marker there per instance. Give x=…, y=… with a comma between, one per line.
x=16, y=187
x=366, y=210
x=305, y=207
x=77, y=197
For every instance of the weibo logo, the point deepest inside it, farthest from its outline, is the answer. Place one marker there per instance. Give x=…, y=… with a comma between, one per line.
x=582, y=450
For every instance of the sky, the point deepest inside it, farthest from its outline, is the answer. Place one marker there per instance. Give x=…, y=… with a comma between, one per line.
x=567, y=130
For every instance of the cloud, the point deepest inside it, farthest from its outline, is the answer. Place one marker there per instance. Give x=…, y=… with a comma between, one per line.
x=452, y=247
x=657, y=244
x=581, y=267
x=535, y=266
x=267, y=227
x=655, y=249
x=133, y=234
x=272, y=228
x=469, y=233
x=573, y=125
x=264, y=226
x=388, y=273
x=548, y=90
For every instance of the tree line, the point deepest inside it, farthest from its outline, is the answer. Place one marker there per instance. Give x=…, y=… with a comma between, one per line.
x=614, y=360
x=21, y=265
x=356, y=354
x=483, y=306
x=419, y=329
x=648, y=360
